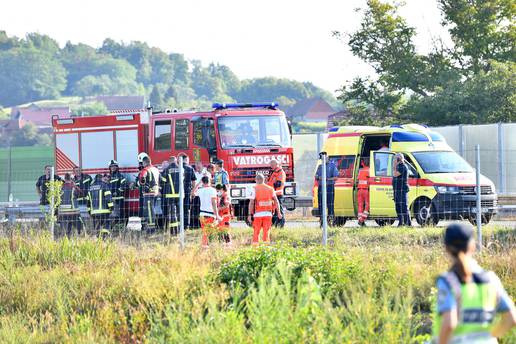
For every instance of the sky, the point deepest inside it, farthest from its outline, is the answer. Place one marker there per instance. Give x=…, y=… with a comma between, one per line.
x=281, y=38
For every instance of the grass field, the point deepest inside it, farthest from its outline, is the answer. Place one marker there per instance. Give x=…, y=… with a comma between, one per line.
x=370, y=285
x=27, y=166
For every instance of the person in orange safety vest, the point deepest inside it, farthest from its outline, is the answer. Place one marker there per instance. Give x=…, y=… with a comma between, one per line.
x=276, y=180
x=261, y=206
x=363, y=192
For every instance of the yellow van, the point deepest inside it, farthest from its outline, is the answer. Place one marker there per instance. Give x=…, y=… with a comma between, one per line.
x=442, y=184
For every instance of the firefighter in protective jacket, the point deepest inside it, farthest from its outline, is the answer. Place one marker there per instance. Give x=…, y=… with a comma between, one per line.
x=149, y=188
x=83, y=182
x=69, y=216
x=100, y=203
x=276, y=180
x=169, y=184
x=118, y=185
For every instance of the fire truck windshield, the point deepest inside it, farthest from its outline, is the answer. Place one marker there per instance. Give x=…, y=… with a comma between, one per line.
x=253, y=131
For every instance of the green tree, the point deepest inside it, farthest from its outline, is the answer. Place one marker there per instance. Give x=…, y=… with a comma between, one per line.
x=28, y=74
x=385, y=41
x=104, y=85
x=90, y=109
x=156, y=97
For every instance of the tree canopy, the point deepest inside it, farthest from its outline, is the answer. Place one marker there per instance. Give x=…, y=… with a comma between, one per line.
x=469, y=82
x=35, y=67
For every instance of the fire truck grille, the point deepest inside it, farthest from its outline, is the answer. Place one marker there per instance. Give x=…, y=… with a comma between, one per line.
x=247, y=174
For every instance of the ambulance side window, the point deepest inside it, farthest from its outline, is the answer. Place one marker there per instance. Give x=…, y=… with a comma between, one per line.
x=383, y=164
x=162, y=134
x=345, y=164
x=182, y=134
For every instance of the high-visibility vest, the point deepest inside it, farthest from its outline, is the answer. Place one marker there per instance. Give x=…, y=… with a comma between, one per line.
x=264, y=198
x=277, y=179
x=476, y=307
x=363, y=178
x=99, y=199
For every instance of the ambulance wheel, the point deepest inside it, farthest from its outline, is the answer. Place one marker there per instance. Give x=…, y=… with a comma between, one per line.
x=384, y=222
x=339, y=221
x=486, y=218
x=424, y=213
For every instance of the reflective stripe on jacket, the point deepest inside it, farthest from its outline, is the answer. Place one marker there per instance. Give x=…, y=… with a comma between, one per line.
x=170, y=182
x=476, y=307
x=118, y=185
x=99, y=199
x=264, y=198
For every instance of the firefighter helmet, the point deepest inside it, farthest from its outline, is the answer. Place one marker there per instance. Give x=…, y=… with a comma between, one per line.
x=142, y=156
x=113, y=163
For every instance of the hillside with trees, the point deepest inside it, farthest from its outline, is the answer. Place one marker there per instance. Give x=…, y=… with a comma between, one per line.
x=471, y=80
x=36, y=67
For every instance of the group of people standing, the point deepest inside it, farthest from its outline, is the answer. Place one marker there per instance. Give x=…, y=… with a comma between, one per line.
x=100, y=195
x=206, y=197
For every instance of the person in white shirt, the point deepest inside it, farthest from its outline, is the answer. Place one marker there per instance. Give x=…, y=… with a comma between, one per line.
x=208, y=210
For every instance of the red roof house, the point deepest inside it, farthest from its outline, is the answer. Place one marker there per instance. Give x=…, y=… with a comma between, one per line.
x=40, y=116
x=311, y=110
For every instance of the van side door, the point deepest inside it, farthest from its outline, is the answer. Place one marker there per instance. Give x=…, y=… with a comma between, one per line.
x=344, y=184
x=381, y=196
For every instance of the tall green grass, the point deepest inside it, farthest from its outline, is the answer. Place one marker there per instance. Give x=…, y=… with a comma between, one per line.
x=369, y=286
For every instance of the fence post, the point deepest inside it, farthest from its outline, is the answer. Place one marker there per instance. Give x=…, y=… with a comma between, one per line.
x=501, y=160
x=479, y=201
x=324, y=210
x=461, y=140
x=319, y=142
x=181, y=205
x=9, y=171
x=51, y=210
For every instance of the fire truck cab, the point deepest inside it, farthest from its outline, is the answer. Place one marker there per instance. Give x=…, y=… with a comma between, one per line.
x=246, y=137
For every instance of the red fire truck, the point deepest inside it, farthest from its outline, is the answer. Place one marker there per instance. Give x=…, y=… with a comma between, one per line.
x=245, y=136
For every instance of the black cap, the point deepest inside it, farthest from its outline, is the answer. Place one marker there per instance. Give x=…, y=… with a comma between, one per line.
x=458, y=235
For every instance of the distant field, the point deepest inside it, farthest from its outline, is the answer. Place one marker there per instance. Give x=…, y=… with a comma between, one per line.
x=27, y=166
x=372, y=285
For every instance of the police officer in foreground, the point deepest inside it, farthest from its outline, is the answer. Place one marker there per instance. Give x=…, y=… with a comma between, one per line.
x=82, y=182
x=468, y=297
x=169, y=184
x=100, y=204
x=401, y=189
x=149, y=189
x=276, y=180
x=118, y=186
x=332, y=174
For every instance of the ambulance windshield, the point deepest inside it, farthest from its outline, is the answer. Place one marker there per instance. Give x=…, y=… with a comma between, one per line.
x=442, y=162
x=253, y=131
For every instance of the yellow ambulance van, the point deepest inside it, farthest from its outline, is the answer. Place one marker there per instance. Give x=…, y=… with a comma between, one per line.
x=442, y=184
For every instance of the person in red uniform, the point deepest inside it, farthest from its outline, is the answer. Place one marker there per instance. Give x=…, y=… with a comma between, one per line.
x=363, y=192
x=224, y=206
x=261, y=206
x=277, y=179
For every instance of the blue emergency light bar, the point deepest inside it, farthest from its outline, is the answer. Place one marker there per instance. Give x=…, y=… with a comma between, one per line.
x=220, y=106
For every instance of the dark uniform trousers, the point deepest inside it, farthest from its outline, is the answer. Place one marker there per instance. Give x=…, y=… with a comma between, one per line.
x=330, y=200
x=69, y=222
x=171, y=213
x=401, y=203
